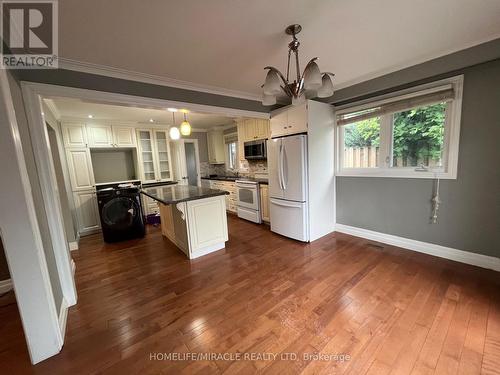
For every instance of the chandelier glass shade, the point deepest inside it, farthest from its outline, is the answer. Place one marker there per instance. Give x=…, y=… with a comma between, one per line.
x=312, y=83
x=185, y=126
x=174, y=130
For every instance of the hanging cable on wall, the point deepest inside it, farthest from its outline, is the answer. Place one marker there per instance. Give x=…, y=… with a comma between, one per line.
x=435, y=201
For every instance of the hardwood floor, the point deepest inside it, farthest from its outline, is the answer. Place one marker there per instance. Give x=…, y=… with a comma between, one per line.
x=386, y=310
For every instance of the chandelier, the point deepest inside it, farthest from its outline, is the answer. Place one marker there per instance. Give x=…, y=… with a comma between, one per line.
x=312, y=83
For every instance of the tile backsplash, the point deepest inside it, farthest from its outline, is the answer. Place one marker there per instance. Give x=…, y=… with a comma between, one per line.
x=247, y=168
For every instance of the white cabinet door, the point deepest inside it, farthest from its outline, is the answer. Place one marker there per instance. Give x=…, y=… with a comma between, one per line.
x=216, y=147
x=250, y=130
x=262, y=129
x=264, y=202
x=74, y=135
x=146, y=155
x=100, y=135
x=87, y=211
x=124, y=136
x=293, y=120
x=80, y=168
x=207, y=224
x=162, y=156
x=279, y=124
x=297, y=119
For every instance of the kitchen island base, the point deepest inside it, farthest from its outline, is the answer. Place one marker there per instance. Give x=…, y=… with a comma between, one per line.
x=198, y=227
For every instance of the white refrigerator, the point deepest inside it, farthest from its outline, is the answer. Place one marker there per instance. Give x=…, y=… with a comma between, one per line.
x=287, y=166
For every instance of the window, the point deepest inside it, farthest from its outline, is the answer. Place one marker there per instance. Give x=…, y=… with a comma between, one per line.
x=232, y=155
x=231, y=142
x=409, y=134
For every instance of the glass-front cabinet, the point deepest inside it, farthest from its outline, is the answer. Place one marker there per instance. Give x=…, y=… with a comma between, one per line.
x=154, y=155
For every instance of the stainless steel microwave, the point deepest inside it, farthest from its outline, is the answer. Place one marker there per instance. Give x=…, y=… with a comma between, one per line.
x=256, y=149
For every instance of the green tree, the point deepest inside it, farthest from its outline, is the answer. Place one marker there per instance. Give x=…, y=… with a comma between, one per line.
x=363, y=133
x=418, y=134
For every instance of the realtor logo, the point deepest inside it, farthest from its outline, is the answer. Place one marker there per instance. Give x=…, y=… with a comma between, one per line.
x=29, y=34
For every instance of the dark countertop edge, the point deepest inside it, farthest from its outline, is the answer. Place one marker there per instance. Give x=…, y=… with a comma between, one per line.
x=208, y=195
x=262, y=182
x=155, y=184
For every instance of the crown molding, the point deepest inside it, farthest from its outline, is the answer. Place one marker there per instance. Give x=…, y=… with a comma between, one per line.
x=52, y=108
x=108, y=71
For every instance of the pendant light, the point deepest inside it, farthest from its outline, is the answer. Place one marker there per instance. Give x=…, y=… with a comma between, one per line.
x=185, y=125
x=174, y=131
x=296, y=86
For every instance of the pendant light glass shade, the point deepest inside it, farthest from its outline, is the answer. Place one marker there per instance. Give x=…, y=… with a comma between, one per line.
x=174, y=130
x=326, y=89
x=312, y=77
x=185, y=125
x=272, y=84
x=268, y=99
x=174, y=133
x=185, y=128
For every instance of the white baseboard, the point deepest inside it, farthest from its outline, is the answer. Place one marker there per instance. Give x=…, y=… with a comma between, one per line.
x=73, y=246
x=5, y=286
x=63, y=316
x=467, y=257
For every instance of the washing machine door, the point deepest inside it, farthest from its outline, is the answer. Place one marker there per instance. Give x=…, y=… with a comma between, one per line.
x=120, y=213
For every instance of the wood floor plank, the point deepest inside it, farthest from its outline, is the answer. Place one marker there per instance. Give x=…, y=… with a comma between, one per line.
x=386, y=310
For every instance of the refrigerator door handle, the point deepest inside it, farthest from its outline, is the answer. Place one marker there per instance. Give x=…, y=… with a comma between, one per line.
x=286, y=204
x=282, y=167
x=280, y=153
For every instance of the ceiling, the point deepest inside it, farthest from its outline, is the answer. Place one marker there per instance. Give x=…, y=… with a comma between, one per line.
x=226, y=43
x=74, y=108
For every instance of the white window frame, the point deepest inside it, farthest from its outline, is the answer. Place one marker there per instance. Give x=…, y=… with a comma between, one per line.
x=451, y=137
x=226, y=150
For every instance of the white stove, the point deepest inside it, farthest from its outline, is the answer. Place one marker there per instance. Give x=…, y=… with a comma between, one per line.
x=248, y=194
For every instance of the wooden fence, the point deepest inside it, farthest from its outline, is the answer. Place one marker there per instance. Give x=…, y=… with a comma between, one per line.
x=367, y=157
x=360, y=157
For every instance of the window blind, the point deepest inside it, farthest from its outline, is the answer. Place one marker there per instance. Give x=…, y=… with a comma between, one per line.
x=230, y=138
x=444, y=95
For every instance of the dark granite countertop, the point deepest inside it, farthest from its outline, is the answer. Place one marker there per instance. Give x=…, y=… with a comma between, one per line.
x=180, y=193
x=264, y=181
x=221, y=178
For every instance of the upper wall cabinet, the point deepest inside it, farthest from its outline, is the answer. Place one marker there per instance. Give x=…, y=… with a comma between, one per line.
x=251, y=130
x=74, y=135
x=124, y=136
x=100, y=135
x=291, y=121
x=154, y=155
x=110, y=136
x=254, y=129
x=216, y=151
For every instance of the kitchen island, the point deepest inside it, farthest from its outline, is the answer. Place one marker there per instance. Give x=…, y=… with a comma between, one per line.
x=192, y=217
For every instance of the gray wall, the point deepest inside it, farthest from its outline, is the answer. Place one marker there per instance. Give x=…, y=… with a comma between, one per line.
x=202, y=144
x=470, y=209
x=35, y=187
x=113, y=165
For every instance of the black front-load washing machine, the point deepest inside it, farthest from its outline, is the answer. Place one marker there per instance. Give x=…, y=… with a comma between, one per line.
x=120, y=210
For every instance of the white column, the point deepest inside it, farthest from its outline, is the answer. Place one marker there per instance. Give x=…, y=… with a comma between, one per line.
x=21, y=237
